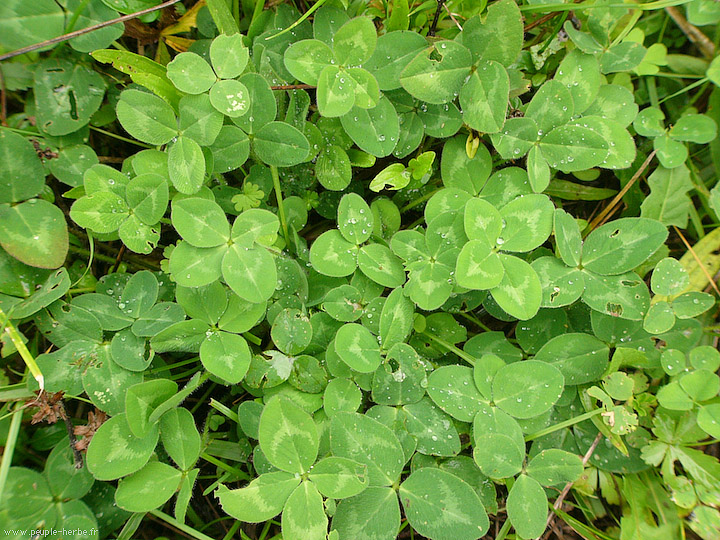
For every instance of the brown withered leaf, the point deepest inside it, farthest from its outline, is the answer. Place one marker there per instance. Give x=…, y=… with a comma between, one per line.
x=95, y=420
x=50, y=407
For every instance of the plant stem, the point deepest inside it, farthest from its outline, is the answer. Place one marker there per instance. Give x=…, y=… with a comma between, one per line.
x=181, y=526
x=7, y=456
x=562, y=425
x=502, y=533
x=281, y=209
x=219, y=407
x=451, y=348
x=15, y=337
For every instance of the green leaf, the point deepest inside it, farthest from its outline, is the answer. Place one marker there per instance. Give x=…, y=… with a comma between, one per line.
x=625, y=295
x=333, y=168
x=332, y=255
x=180, y=437
x=650, y=122
x=430, y=285
x=567, y=237
x=291, y=331
x=482, y=221
x=379, y=264
x=35, y=233
x=149, y=488
x=115, y=452
x=142, y=71
x=401, y=378
x=355, y=41
x=230, y=97
x=186, y=166
x=358, y=348
x=102, y=178
x=478, y=267
x=146, y=117
x=670, y=152
x=367, y=92
x=527, y=389
x=255, y=225
x=366, y=441
x=528, y=223
x=555, y=467
x=396, y=319
x=229, y=55
x=22, y=24
x=621, y=146
x=339, y=478
x=499, y=37
x=581, y=358
x=437, y=74
x=393, y=52
x=460, y=171
x=201, y=222
x=263, y=106
x=551, y=106
x=54, y=287
x=497, y=455
x=21, y=172
x=622, y=244
x=226, y=355
x=250, y=272
x=261, y=499
x=452, y=388
x=304, y=514
x=376, y=130
x=139, y=294
x=518, y=136
x=102, y=212
x=668, y=201
x=230, y=149
x=708, y=419
x=691, y=304
x=484, y=97
x=288, y=436
x=306, y=59
x=432, y=428
x=335, y=91
x=147, y=196
x=696, y=128
x=616, y=102
x=67, y=94
x=669, y=277
x=280, y=144
x=580, y=73
x=222, y=16
x=441, y=506
x=519, y=292
x=527, y=507
x=341, y=395
x=538, y=170
x=142, y=399
x=374, y=514
x=195, y=267
x=562, y=285
x=190, y=73
x=574, y=148
x=355, y=220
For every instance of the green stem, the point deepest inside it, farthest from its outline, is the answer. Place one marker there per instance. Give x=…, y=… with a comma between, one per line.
x=175, y=523
x=451, y=348
x=278, y=196
x=562, y=425
x=219, y=407
x=16, y=338
x=233, y=529
x=418, y=201
x=224, y=466
x=309, y=12
x=475, y=320
x=120, y=137
x=7, y=456
x=502, y=533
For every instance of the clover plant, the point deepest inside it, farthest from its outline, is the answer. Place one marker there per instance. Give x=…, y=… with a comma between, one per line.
x=343, y=274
